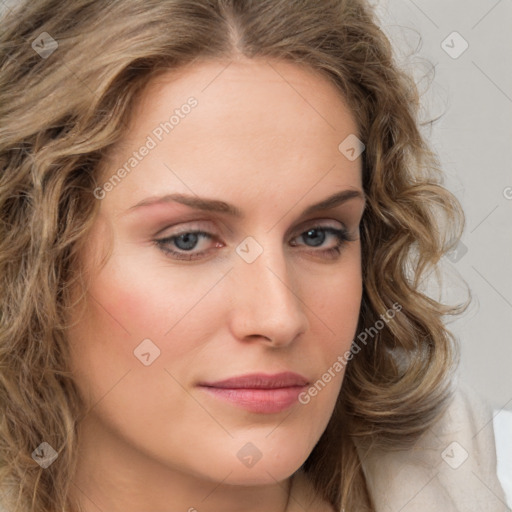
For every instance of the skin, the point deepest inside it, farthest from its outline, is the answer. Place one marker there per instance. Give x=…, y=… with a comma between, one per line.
x=263, y=137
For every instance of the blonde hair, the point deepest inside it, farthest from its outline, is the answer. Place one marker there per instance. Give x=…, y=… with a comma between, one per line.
x=62, y=112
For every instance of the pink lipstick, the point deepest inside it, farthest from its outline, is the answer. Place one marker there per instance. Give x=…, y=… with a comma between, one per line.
x=259, y=392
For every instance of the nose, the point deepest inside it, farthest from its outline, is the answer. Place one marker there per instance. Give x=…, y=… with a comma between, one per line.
x=266, y=302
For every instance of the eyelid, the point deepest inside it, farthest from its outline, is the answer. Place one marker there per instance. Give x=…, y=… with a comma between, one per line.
x=342, y=236
x=206, y=225
x=341, y=233
x=323, y=221
x=185, y=227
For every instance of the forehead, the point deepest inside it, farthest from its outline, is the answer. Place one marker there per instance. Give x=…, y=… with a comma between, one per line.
x=254, y=122
x=233, y=90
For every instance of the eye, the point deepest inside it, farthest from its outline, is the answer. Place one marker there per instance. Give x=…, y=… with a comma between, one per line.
x=318, y=234
x=187, y=241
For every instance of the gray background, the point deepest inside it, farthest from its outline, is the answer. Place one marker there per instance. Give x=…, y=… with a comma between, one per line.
x=473, y=138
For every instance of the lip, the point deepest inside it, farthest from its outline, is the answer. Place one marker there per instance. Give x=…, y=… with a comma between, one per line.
x=259, y=392
x=260, y=381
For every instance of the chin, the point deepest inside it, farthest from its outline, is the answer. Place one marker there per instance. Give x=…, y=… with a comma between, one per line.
x=252, y=466
x=267, y=474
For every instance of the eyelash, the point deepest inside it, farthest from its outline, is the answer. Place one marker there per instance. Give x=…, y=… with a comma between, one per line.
x=342, y=236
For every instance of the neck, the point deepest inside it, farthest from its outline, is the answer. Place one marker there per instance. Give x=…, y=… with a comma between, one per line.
x=113, y=476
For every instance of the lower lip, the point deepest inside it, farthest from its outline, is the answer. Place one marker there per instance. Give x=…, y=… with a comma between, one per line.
x=259, y=400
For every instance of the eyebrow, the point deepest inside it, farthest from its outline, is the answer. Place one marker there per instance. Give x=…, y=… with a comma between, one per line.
x=217, y=206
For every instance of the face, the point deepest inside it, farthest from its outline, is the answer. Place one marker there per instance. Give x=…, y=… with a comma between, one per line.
x=249, y=279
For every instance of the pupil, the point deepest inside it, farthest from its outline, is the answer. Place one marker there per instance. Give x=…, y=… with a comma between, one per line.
x=319, y=240
x=190, y=240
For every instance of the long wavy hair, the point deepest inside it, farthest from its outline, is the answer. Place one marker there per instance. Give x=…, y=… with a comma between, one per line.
x=60, y=114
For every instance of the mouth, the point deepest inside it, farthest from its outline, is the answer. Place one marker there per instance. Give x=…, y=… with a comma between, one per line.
x=259, y=393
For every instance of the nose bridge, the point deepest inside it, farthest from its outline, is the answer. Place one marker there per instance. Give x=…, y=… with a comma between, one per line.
x=267, y=302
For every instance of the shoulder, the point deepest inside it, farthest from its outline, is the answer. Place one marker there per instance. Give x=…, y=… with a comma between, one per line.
x=452, y=466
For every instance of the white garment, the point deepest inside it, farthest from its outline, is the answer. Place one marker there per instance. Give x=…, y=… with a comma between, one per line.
x=502, y=422
x=451, y=468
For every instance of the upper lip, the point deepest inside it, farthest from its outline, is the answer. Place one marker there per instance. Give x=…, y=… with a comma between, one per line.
x=260, y=381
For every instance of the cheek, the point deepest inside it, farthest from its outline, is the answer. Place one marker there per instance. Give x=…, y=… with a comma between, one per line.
x=136, y=296
x=130, y=301
x=337, y=307
x=118, y=315
x=335, y=299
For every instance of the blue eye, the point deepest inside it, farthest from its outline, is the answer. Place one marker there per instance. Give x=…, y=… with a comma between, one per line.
x=186, y=241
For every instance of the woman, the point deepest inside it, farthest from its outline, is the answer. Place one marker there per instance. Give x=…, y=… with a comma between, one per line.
x=216, y=220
